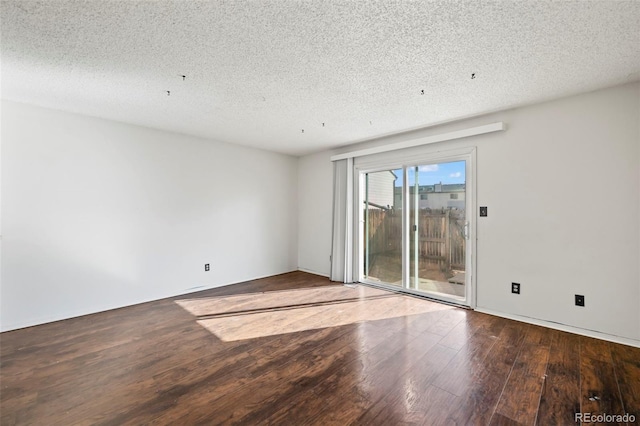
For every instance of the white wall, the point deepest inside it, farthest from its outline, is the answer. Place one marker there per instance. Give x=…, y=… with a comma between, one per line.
x=99, y=214
x=542, y=179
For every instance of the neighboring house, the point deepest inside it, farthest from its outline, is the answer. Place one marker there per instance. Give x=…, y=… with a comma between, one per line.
x=437, y=197
x=380, y=189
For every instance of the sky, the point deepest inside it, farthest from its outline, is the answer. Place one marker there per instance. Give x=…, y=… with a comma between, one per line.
x=435, y=173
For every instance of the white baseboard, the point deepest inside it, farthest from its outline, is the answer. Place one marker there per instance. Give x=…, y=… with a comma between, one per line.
x=564, y=327
x=309, y=271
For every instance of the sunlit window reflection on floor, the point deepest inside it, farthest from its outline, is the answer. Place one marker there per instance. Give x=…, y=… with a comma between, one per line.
x=248, y=316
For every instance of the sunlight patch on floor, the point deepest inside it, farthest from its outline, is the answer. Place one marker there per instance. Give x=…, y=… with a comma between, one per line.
x=249, y=316
x=275, y=299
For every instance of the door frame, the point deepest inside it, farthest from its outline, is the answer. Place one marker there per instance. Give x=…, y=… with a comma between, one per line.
x=469, y=155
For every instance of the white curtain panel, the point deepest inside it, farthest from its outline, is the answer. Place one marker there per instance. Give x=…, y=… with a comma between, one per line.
x=341, y=247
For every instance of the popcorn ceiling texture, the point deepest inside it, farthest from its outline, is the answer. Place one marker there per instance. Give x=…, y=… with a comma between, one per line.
x=258, y=72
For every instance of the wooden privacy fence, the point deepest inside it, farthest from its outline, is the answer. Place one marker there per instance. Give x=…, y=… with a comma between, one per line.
x=385, y=231
x=440, y=236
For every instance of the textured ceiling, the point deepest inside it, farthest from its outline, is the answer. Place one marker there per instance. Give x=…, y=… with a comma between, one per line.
x=259, y=72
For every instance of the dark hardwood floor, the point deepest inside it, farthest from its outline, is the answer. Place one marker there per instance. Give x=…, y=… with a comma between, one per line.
x=319, y=354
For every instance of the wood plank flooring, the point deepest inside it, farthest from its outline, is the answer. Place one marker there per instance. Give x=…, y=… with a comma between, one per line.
x=298, y=349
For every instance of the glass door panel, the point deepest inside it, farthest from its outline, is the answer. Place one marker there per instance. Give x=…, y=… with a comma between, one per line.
x=382, y=213
x=437, y=229
x=414, y=227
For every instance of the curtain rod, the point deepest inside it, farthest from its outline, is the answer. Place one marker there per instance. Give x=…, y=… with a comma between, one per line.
x=458, y=134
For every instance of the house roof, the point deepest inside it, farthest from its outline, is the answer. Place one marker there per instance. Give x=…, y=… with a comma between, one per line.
x=445, y=188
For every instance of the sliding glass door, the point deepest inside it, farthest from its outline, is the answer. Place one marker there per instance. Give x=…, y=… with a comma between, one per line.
x=415, y=232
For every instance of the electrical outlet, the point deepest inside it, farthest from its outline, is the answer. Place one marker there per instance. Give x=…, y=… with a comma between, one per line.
x=579, y=300
x=515, y=288
x=206, y=267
